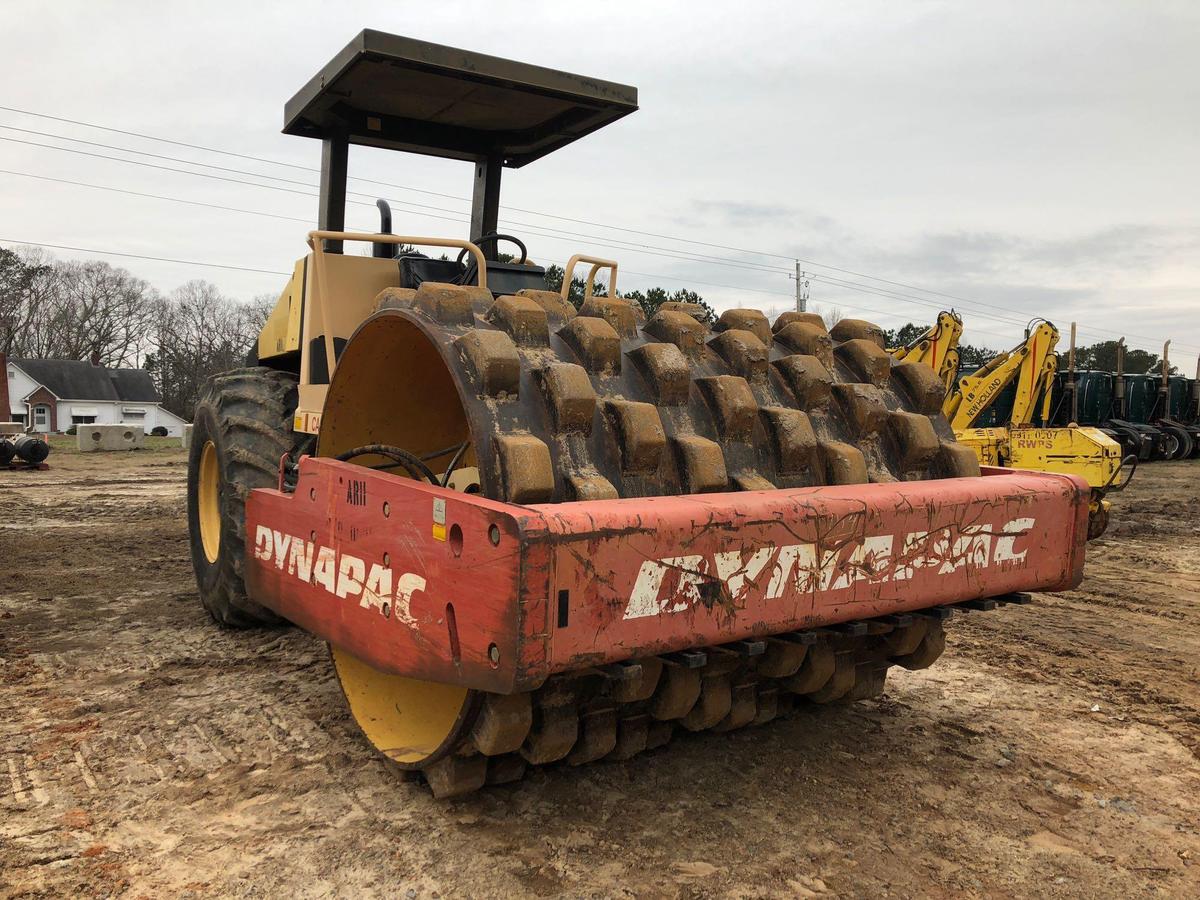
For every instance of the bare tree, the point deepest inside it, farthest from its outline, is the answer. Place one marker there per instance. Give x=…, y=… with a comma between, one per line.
x=74, y=310
x=199, y=333
x=26, y=276
x=258, y=309
x=832, y=315
x=103, y=312
x=71, y=310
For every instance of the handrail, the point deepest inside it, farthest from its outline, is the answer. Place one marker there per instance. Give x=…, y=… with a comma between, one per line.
x=415, y=240
x=597, y=265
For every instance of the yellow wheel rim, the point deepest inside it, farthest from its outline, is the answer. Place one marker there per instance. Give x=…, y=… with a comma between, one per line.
x=404, y=719
x=412, y=722
x=208, y=492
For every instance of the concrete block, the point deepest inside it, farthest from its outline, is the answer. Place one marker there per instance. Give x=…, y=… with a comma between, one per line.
x=11, y=428
x=186, y=440
x=110, y=437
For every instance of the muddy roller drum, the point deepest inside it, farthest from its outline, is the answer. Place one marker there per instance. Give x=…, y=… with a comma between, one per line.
x=527, y=401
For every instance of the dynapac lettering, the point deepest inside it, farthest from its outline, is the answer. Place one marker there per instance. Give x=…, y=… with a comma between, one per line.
x=678, y=583
x=341, y=574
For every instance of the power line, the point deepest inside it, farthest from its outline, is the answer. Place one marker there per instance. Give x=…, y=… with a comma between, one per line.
x=539, y=230
x=292, y=218
x=117, y=190
x=182, y=262
x=134, y=162
x=908, y=298
x=674, y=252
x=279, y=273
x=269, y=161
x=734, y=287
x=671, y=253
x=854, y=287
x=150, y=137
x=190, y=162
x=306, y=221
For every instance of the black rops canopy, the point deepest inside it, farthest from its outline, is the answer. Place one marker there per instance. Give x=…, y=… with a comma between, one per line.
x=388, y=91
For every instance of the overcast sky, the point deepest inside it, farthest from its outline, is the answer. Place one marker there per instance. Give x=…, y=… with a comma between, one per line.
x=1029, y=158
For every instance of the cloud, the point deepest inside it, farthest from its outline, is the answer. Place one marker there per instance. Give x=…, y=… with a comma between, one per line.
x=1117, y=248
x=964, y=148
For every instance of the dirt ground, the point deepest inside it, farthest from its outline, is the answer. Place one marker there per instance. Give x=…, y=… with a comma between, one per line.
x=1055, y=749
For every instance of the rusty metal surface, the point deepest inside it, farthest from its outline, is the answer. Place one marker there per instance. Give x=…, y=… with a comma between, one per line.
x=498, y=596
x=667, y=573
x=406, y=576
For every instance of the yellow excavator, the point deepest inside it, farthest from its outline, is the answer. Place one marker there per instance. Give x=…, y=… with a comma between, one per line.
x=1019, y=443
x=936, y=348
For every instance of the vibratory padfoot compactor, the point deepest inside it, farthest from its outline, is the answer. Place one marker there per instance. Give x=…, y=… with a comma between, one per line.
x=535, y=533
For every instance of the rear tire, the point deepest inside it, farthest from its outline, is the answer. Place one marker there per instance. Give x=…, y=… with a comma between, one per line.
x=241, y=428
x=1183, y=441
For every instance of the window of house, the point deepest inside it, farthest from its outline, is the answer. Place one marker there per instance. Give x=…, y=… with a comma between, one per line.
x=82, y=420
x=41, y=416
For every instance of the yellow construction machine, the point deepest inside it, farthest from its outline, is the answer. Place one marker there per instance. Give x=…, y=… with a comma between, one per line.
x=1019, y=443
x=532, y=532
x=936, y=348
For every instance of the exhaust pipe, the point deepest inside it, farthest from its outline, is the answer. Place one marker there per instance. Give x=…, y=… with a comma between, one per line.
x=1196, y=394
x=1164, y=389
x=384, y=251
x=1071, y=383
x=1119, y=381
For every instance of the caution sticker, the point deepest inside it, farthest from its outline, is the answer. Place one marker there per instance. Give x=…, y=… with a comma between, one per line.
x=439, y=520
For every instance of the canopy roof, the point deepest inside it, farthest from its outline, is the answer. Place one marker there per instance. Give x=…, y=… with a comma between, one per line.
x=384, y=90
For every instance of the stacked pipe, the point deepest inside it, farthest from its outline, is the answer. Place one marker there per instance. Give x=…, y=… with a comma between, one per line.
x=24, y=448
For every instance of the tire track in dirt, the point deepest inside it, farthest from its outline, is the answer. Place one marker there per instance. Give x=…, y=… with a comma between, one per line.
x=144, y=751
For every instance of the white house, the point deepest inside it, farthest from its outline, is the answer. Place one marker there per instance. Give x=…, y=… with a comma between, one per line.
x=54, y=394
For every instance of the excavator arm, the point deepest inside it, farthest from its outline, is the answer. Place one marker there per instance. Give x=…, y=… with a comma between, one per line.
x=937, y=348
x=1017, y=443
x=1032, y=363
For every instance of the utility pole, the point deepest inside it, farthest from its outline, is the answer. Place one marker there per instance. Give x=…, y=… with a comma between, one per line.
x=801, y=289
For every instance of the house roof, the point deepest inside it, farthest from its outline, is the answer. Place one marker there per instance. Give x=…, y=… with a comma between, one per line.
x=134, y=384
x=73, y=379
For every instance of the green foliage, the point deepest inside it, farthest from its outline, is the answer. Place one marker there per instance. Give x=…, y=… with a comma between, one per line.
x=649, y=300
x=653, y=298
x=904, y=335
x=971, y=357
x=554, y=280
x=1103, y=357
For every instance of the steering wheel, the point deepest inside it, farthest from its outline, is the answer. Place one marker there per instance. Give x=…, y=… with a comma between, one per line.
x=493, y=238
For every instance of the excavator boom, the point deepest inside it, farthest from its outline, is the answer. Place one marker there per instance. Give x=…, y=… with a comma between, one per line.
x=936, y=348
x=1017, y=443
x=1032, y=363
